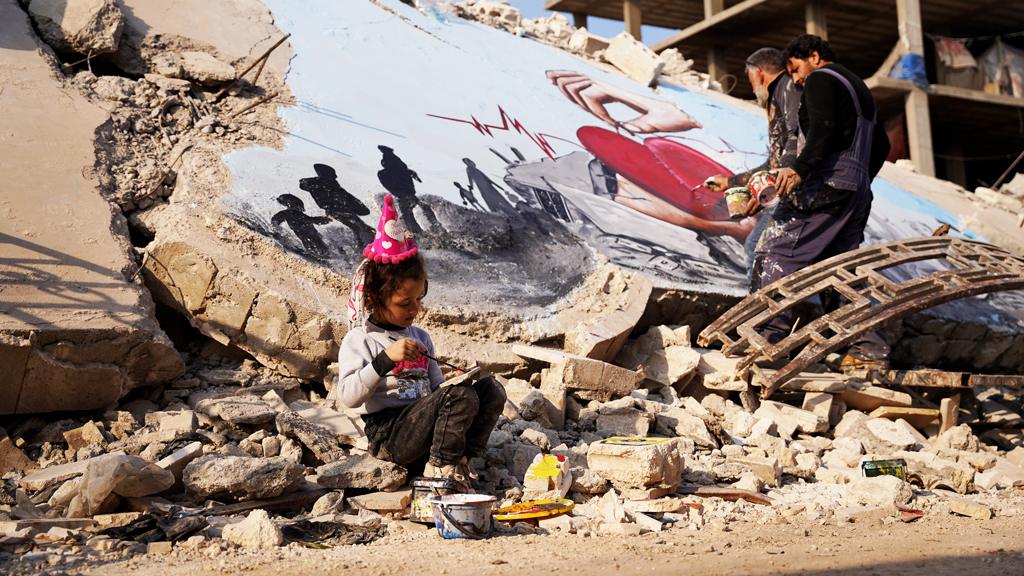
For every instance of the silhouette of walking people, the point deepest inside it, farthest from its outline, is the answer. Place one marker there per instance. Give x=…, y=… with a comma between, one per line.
x=337, y=202
x=468, y=199
x=302, y=224
x=488, y=189
x=397, y=178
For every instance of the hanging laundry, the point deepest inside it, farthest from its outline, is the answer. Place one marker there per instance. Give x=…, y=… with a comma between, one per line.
x=953, y=53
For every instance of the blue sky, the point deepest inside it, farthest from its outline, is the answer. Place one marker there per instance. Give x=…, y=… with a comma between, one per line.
x=599, y=26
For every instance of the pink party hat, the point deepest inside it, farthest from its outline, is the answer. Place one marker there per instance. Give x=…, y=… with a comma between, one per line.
x=392, y=243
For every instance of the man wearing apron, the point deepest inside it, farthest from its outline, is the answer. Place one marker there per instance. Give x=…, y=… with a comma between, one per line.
x=826, y=194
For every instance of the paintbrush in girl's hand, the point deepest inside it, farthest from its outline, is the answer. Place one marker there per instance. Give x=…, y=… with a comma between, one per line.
x=424, y=352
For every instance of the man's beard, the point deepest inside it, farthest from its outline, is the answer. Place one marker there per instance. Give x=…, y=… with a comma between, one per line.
x=762, y=97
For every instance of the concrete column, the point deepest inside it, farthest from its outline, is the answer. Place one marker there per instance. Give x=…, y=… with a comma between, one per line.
x=632, y=17
x=919, y=128
x=817, y=23
x=716, y=54
x=579, y=19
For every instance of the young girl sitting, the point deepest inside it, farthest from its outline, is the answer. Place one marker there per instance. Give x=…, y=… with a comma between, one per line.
x=385, y=376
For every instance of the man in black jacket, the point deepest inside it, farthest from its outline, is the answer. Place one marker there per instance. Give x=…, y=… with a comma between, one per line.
x=827, y=191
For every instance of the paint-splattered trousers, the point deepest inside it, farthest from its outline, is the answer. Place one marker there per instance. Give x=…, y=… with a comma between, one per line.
x=451, y=422
x=795, y=239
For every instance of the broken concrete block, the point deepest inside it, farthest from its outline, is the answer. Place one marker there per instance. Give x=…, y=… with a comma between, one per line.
x=830, y=475
x=1003, y=475
x=83, y=437
x=12, y=459
x=769, y=470
x=896, y=433
x=205, y=69
x=865, y=514
x=176, y=461
x=256, y=532
x=680, y=422
x=88, y=27
x=274, y=400
x=561, y=524
x=537, y=438
x=935, y=471
x=627, y=423
x=750, y=482
x=587, y=481
x=382, y=501
x=862, y=396
x=548, y=476
x=634, y=59
x=320, y=440
x=880, y=491
x=181, y=421
x=116, y=475
x=804, y=381
x=53, y=474
x=583, y=42
x=1015, y=456
x=348, y=428
x=601, y=336
x=647, y=523
x=786, y=416
x=717, y=366
x=241, y=478
x=654, y=506
x=919, y=418
x=361, y=471
x=636, y=463
x=243, y=409
x=965, y=507
x=594, y=380
x=820, y=404
x=159, y=547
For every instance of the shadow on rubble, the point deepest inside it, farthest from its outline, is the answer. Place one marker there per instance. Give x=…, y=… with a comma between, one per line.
x=999, y=562
x=36, y=266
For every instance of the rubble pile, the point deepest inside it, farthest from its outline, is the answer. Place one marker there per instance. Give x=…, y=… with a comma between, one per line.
x=624, y=53
x=233, y=455
x=1009, y=197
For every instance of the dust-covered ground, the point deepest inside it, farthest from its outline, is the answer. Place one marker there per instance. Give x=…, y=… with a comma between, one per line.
x=935, y=544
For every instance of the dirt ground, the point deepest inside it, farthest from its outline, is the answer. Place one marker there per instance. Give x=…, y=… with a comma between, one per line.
x=933, y=545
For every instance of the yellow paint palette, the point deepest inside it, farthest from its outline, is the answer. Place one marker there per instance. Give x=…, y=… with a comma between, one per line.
x=534, y=509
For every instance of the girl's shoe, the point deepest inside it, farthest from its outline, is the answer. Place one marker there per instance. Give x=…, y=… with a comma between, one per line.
x=451, y=473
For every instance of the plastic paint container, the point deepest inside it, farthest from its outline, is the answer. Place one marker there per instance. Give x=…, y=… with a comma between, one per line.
x=464, y=515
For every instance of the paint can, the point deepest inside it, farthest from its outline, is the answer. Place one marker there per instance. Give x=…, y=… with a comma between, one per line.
x=464, y=515
x=423, y=491
x=736, y=200
x=762, y=186
x=894, y=467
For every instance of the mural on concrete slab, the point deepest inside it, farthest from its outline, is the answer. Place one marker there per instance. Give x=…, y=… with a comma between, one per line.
x=510, y=161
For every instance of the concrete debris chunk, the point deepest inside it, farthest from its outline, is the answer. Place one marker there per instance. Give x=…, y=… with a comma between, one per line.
x=680, y=422
x=242, y=409
x=637, y=463
x=83, y=437
x=240, y=478
x=361, y=471
x=788, y=417
x=880, y=491
x=966, y=507
x=631, y=422
x=382, y=501
x=601, y=336
x=583, y=42
x=205, y=68
x=320, y=440
x=113, y=475
x=257, y=532
x=634, y=59
x=13, y=459
x=590, y=379
x=934, y=471
x=88, y=27
x=176, y=461
x=1003, y=475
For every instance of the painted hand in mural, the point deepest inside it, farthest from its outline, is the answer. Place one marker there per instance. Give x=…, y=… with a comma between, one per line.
x=786, y=179
x=592, y=95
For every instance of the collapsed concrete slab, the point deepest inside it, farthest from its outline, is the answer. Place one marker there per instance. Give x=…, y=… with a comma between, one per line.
x=638, y=464
x=75, y=332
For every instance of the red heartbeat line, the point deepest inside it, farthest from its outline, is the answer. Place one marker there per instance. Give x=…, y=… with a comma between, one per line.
x=508, y=122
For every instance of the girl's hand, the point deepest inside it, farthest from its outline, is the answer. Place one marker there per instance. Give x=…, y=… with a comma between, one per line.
x=404, y=349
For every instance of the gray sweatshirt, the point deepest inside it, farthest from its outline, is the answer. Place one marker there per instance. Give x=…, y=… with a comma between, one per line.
x=363, y=387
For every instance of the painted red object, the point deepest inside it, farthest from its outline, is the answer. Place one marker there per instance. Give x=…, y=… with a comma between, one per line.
x=664, y=167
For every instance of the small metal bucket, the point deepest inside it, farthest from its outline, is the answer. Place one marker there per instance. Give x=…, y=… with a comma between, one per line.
x=464, y=515
x=423, y=491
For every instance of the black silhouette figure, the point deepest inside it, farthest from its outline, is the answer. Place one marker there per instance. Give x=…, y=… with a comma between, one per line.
x=397, y=178
x=337, y=202
x=468, y=199
x=488, y=189
x=302, y=224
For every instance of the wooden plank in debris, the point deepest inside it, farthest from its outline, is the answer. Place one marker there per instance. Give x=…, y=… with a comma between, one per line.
x=804, y=381
x=1006, y=380
x=916, y=417
x=922, y=378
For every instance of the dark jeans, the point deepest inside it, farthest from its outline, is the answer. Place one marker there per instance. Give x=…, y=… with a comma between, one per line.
x=452, y=422
x=795, y=239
